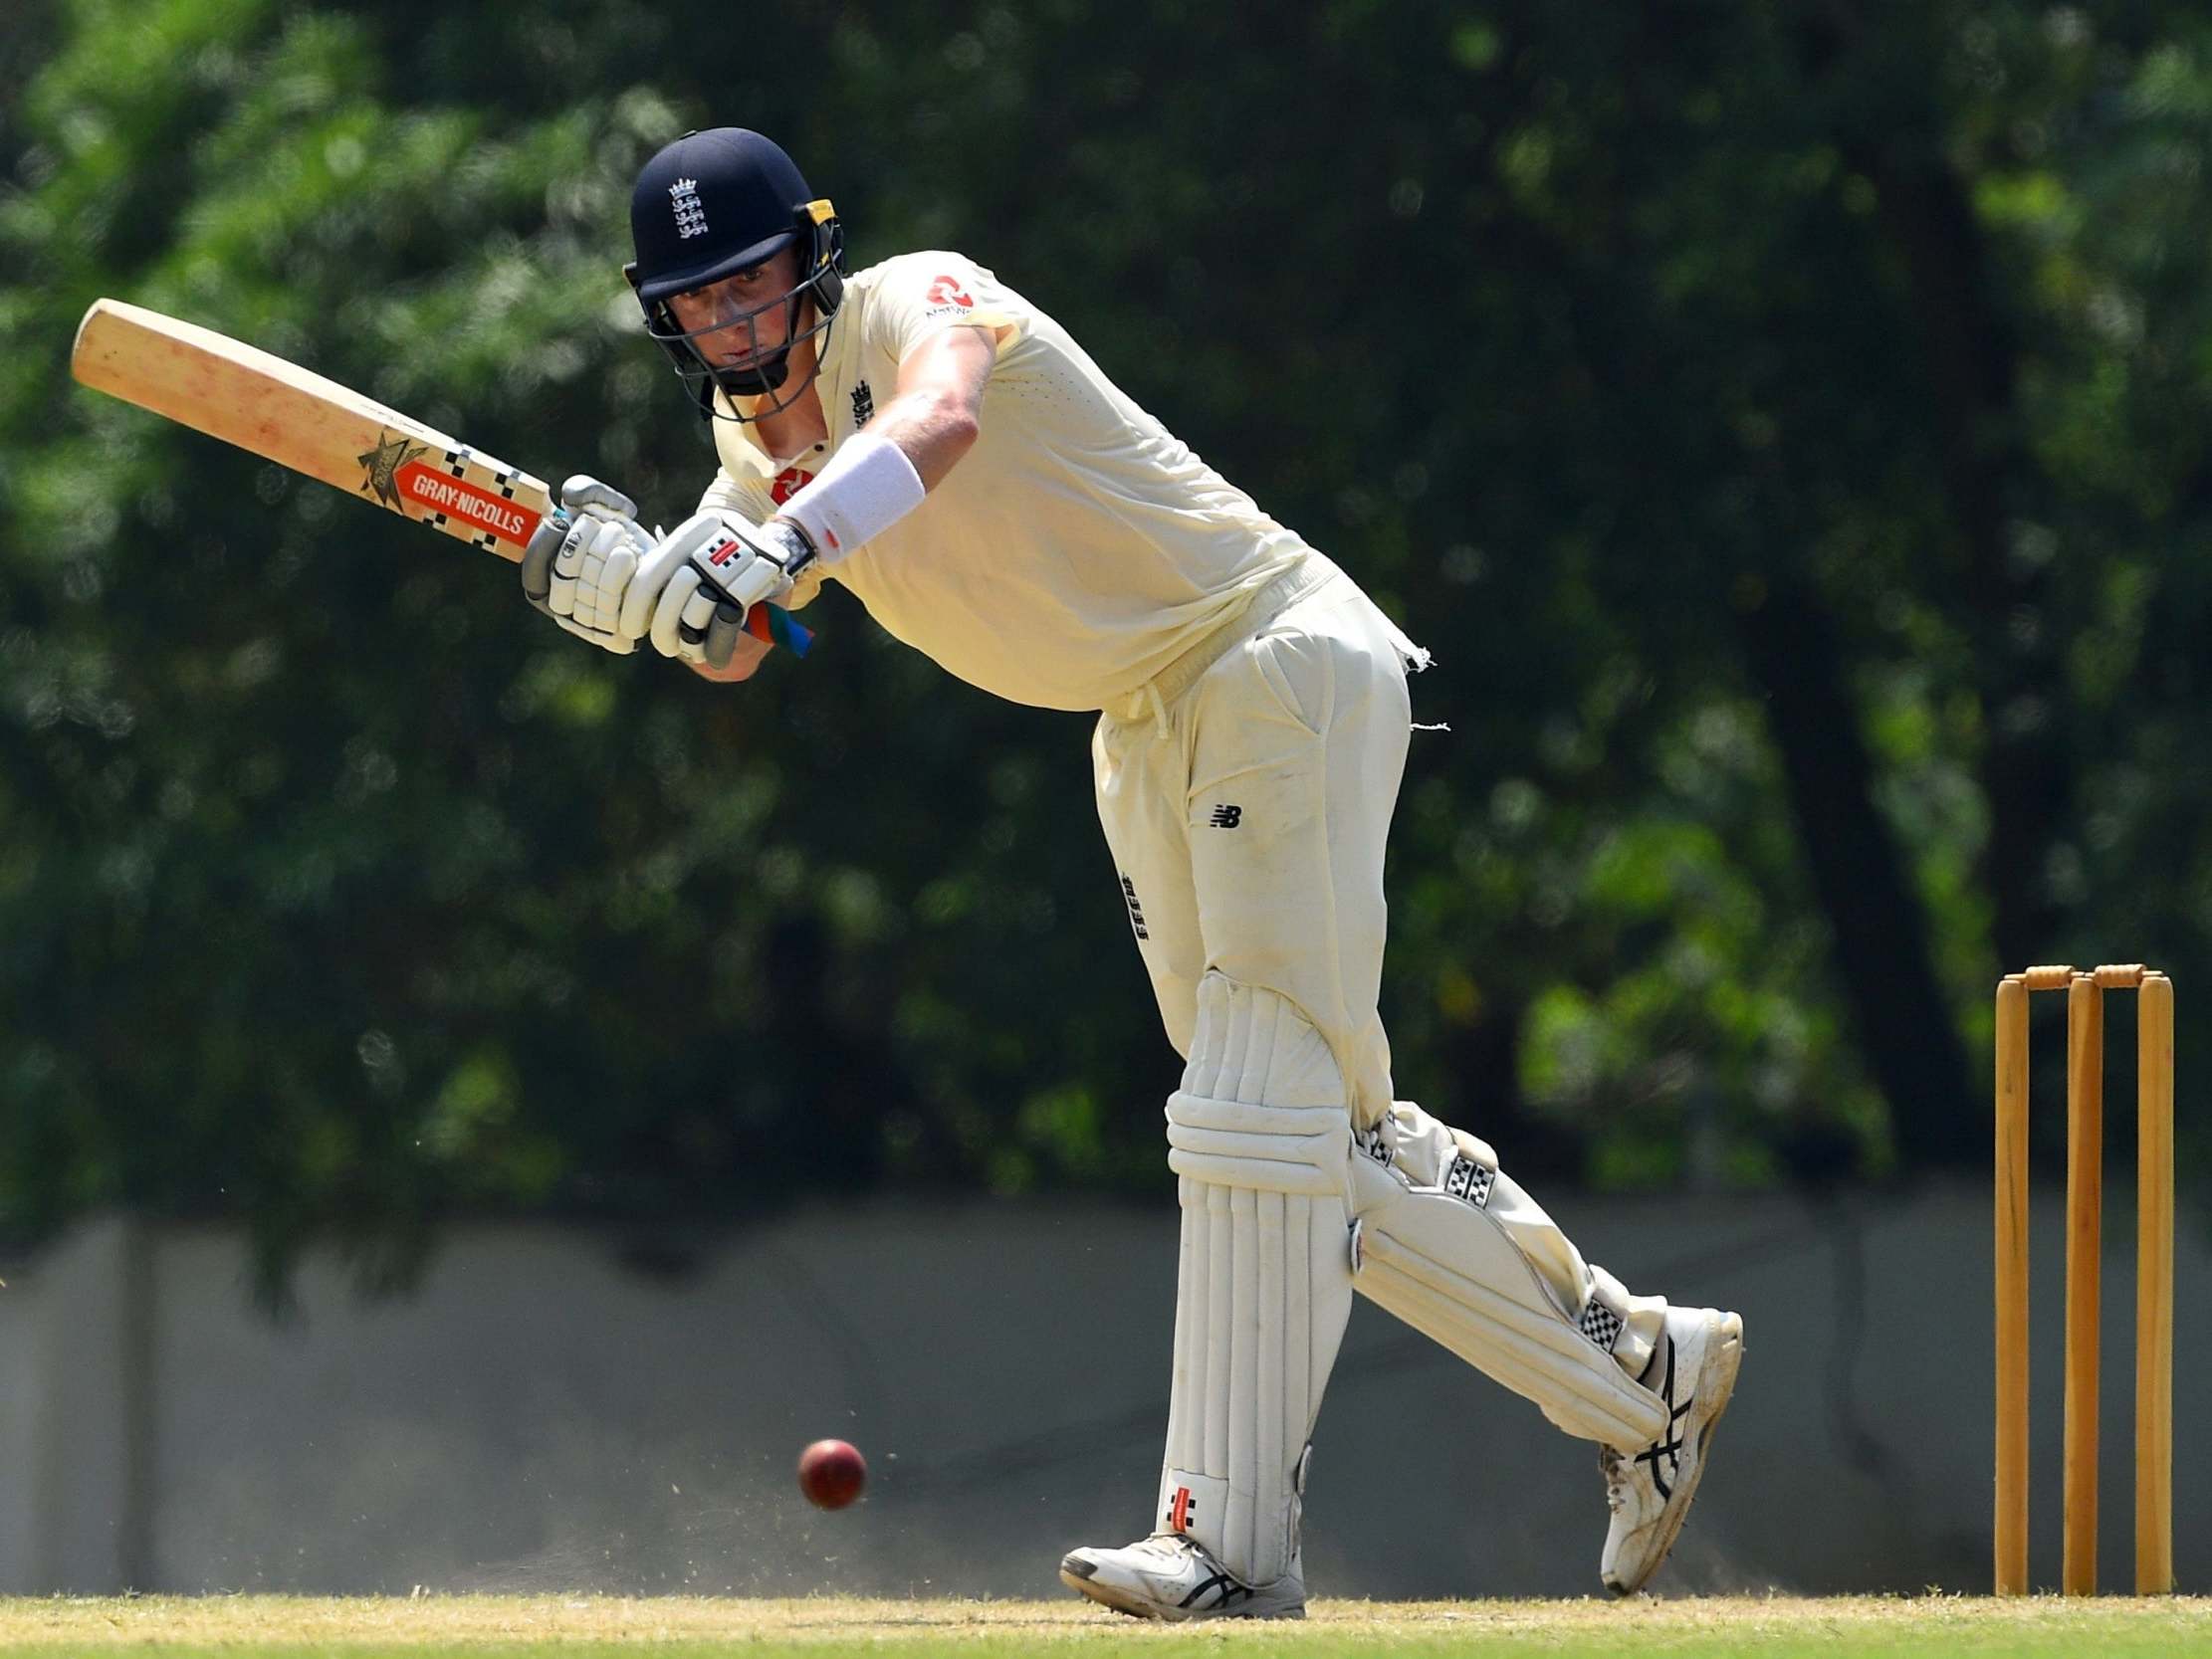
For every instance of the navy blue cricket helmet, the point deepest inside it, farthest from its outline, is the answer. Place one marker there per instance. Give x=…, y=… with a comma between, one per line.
x=713, y=204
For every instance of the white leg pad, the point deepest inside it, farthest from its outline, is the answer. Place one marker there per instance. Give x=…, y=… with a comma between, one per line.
x=1260, y=1137
x=1458, y=1251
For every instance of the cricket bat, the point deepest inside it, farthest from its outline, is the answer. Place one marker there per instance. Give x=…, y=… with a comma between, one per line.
x=295, y=417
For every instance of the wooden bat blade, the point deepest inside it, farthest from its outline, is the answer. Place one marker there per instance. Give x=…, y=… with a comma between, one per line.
x=295, y=417
x=301, y=420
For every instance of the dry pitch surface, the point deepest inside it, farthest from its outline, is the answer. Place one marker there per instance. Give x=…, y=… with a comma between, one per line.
x=478, y=1627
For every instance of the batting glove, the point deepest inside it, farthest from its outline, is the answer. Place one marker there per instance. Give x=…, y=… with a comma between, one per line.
x=691, y=596
x=581, y=561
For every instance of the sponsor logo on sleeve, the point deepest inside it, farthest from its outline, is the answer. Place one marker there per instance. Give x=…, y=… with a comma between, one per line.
x=946, y=296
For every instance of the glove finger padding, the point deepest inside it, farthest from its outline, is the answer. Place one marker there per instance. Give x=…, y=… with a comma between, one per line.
x=698, y=611
x=568, y=565
x=709, y=627
x=605, y=642
x=641, y=602
x=611, y=559
x=538, y=557
x=582, y=493
x=668, y=616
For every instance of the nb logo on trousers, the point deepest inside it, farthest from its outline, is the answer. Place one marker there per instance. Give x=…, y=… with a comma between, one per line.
x=1225, y=817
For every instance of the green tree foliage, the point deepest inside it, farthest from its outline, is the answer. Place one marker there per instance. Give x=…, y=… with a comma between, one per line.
x=1784, y=423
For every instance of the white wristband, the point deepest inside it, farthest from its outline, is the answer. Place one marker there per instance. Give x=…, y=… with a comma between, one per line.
x=868, y=486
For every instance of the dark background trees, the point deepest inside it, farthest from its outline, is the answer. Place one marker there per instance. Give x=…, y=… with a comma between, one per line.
x=1784, y=423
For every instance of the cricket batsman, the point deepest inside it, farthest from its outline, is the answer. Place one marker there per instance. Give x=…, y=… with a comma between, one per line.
x=924, y=435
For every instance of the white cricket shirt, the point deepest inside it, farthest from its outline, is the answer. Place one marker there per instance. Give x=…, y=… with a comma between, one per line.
x=1075, y=552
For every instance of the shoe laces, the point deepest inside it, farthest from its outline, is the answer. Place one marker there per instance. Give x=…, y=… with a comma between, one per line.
x=1616, y=1471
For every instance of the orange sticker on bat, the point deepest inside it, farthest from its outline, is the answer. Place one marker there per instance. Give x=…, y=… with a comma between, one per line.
x=430, y=491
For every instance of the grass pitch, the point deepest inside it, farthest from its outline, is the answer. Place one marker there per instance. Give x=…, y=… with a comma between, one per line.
x=573, y=1627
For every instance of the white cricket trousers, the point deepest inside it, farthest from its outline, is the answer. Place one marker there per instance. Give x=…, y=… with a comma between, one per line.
x=1246, y=813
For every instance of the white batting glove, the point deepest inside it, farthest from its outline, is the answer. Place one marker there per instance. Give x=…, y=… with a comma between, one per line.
x=691, y=595
x=579, y=572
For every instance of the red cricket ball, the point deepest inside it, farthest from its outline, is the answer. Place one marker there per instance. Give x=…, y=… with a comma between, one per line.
x=832, y=1473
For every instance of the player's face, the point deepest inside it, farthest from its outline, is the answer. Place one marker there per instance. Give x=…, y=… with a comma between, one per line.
x=742, y=312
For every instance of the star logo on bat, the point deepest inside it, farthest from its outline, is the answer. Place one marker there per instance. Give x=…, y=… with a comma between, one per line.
x=383, y=465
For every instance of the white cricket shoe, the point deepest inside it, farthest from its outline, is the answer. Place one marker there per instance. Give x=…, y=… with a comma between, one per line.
x=1694, y=1372
x=1171, y=1576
